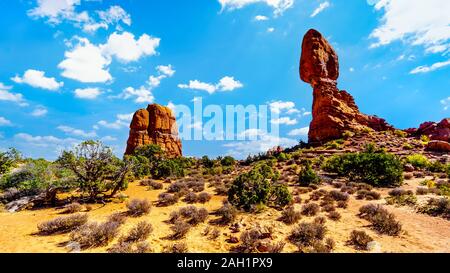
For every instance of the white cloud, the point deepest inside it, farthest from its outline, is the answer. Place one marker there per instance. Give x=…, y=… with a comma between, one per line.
x=302, y=132
x=108, y=139
x=4, y=122
x=284, y=121
x=279, y=6
x=271, y=29
x=37, y=79
x=46, y=141
x=87, y=93
x=86, y=63
x=39, y=111
x=57, y=10
x=426, y=69
x=416, y=22
x=123, y=120
x=263, y=143
x=114, y=15
x=6, y=95
x=279, y=106
x=76, y=132
x=320, y=8
x=166, y=70
x=261, y=18
x=89, y=63
x=141, y=95
x=125, y=48
x=446, y=103
x=224, y=85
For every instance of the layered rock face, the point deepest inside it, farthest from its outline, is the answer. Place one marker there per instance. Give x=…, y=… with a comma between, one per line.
x=435, y=131
x=155, y=125
x=334, y=111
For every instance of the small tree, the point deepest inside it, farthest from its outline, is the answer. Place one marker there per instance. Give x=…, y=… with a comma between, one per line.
x=96, y=168
x=8, y=159
x=308, y=176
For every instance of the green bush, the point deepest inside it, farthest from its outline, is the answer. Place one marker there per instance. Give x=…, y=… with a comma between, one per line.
x=375, y=167
x=258, y=187
x=418, y=161
x=308, y=176
x=8, y=160
x=207, y=163
x=171, y=168
x=228, y=161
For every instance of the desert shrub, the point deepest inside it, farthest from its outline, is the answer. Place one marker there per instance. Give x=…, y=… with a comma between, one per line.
x=179, y=229
x=94, y=234
x=8, y=160
x=167, y=199
x=320, y=247
x=368, y=195
x=401, y=197
x=305, y=234
x=130, y=248
x=191, y=198
x=290, y=216
x=375, y=167
x=338, y=196
x=249, y=241
x=227, y=214
x=308, y=176
x=72, y=208
x=418, y=161
x=152, y=184
x=360, y=239
x=310, y=209
x=96, y=168
x=138, y=233
x=228, y=161
x=329, y=208
x=138, y=207
x=400, y=133
x=436, y=167
x=342, y=204
x=382, y=221
x=257, y=187
x=176, y=248
x=334, y=215
x=438, y=207
x=141, y=166
x=196, y=186
x=178, y=187
x=422, y=191
x=62, y=224
x=408, y=176
x=276, y=247
x=204, y=197
x=117, y=217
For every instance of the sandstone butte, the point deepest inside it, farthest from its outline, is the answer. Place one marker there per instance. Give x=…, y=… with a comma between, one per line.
x=334, y=111
x=155, y=125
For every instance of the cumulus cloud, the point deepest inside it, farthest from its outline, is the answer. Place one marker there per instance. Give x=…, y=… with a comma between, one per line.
x=226, y=84
x=320, y=8
x=261, y=18
x=140, y=95
x=284, y=121
x=37, y=79
x=433, y=67
x=86, y=63
x=4, y=122
x=39, y=111
x=166, y=70
x=87, y=93
x=46, y=141
x=122, y=121
x=115, y=14
x=415, y=22
x=76, y=132
x=58, y=10
x=89, y=63
x=302, y=132
x=6, y=95
x=279, y=6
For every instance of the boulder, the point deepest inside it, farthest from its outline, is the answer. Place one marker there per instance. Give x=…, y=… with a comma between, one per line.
x=334, y=111
x=439, y=146
x=155, y=125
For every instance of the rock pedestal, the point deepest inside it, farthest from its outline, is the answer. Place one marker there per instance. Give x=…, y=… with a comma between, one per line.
x=334, y=111
x=155, y=125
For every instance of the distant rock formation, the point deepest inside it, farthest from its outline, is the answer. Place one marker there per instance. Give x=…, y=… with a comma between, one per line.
x=334, y=111
x=433, y=130
x=155, y=125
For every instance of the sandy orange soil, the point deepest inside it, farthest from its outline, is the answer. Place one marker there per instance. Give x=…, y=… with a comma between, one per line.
x=422, y=233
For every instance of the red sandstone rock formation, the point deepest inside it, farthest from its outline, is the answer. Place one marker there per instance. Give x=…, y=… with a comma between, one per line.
x=435, y=131
x=439, y=146
x=155, y=125
x=334, y=111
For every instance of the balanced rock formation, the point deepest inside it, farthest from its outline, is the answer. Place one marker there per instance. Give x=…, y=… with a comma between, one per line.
x=155, y=125
x=433, y=130
x=334, y=111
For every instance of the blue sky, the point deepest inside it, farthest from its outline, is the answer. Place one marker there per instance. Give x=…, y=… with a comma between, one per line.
x=76, y=69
